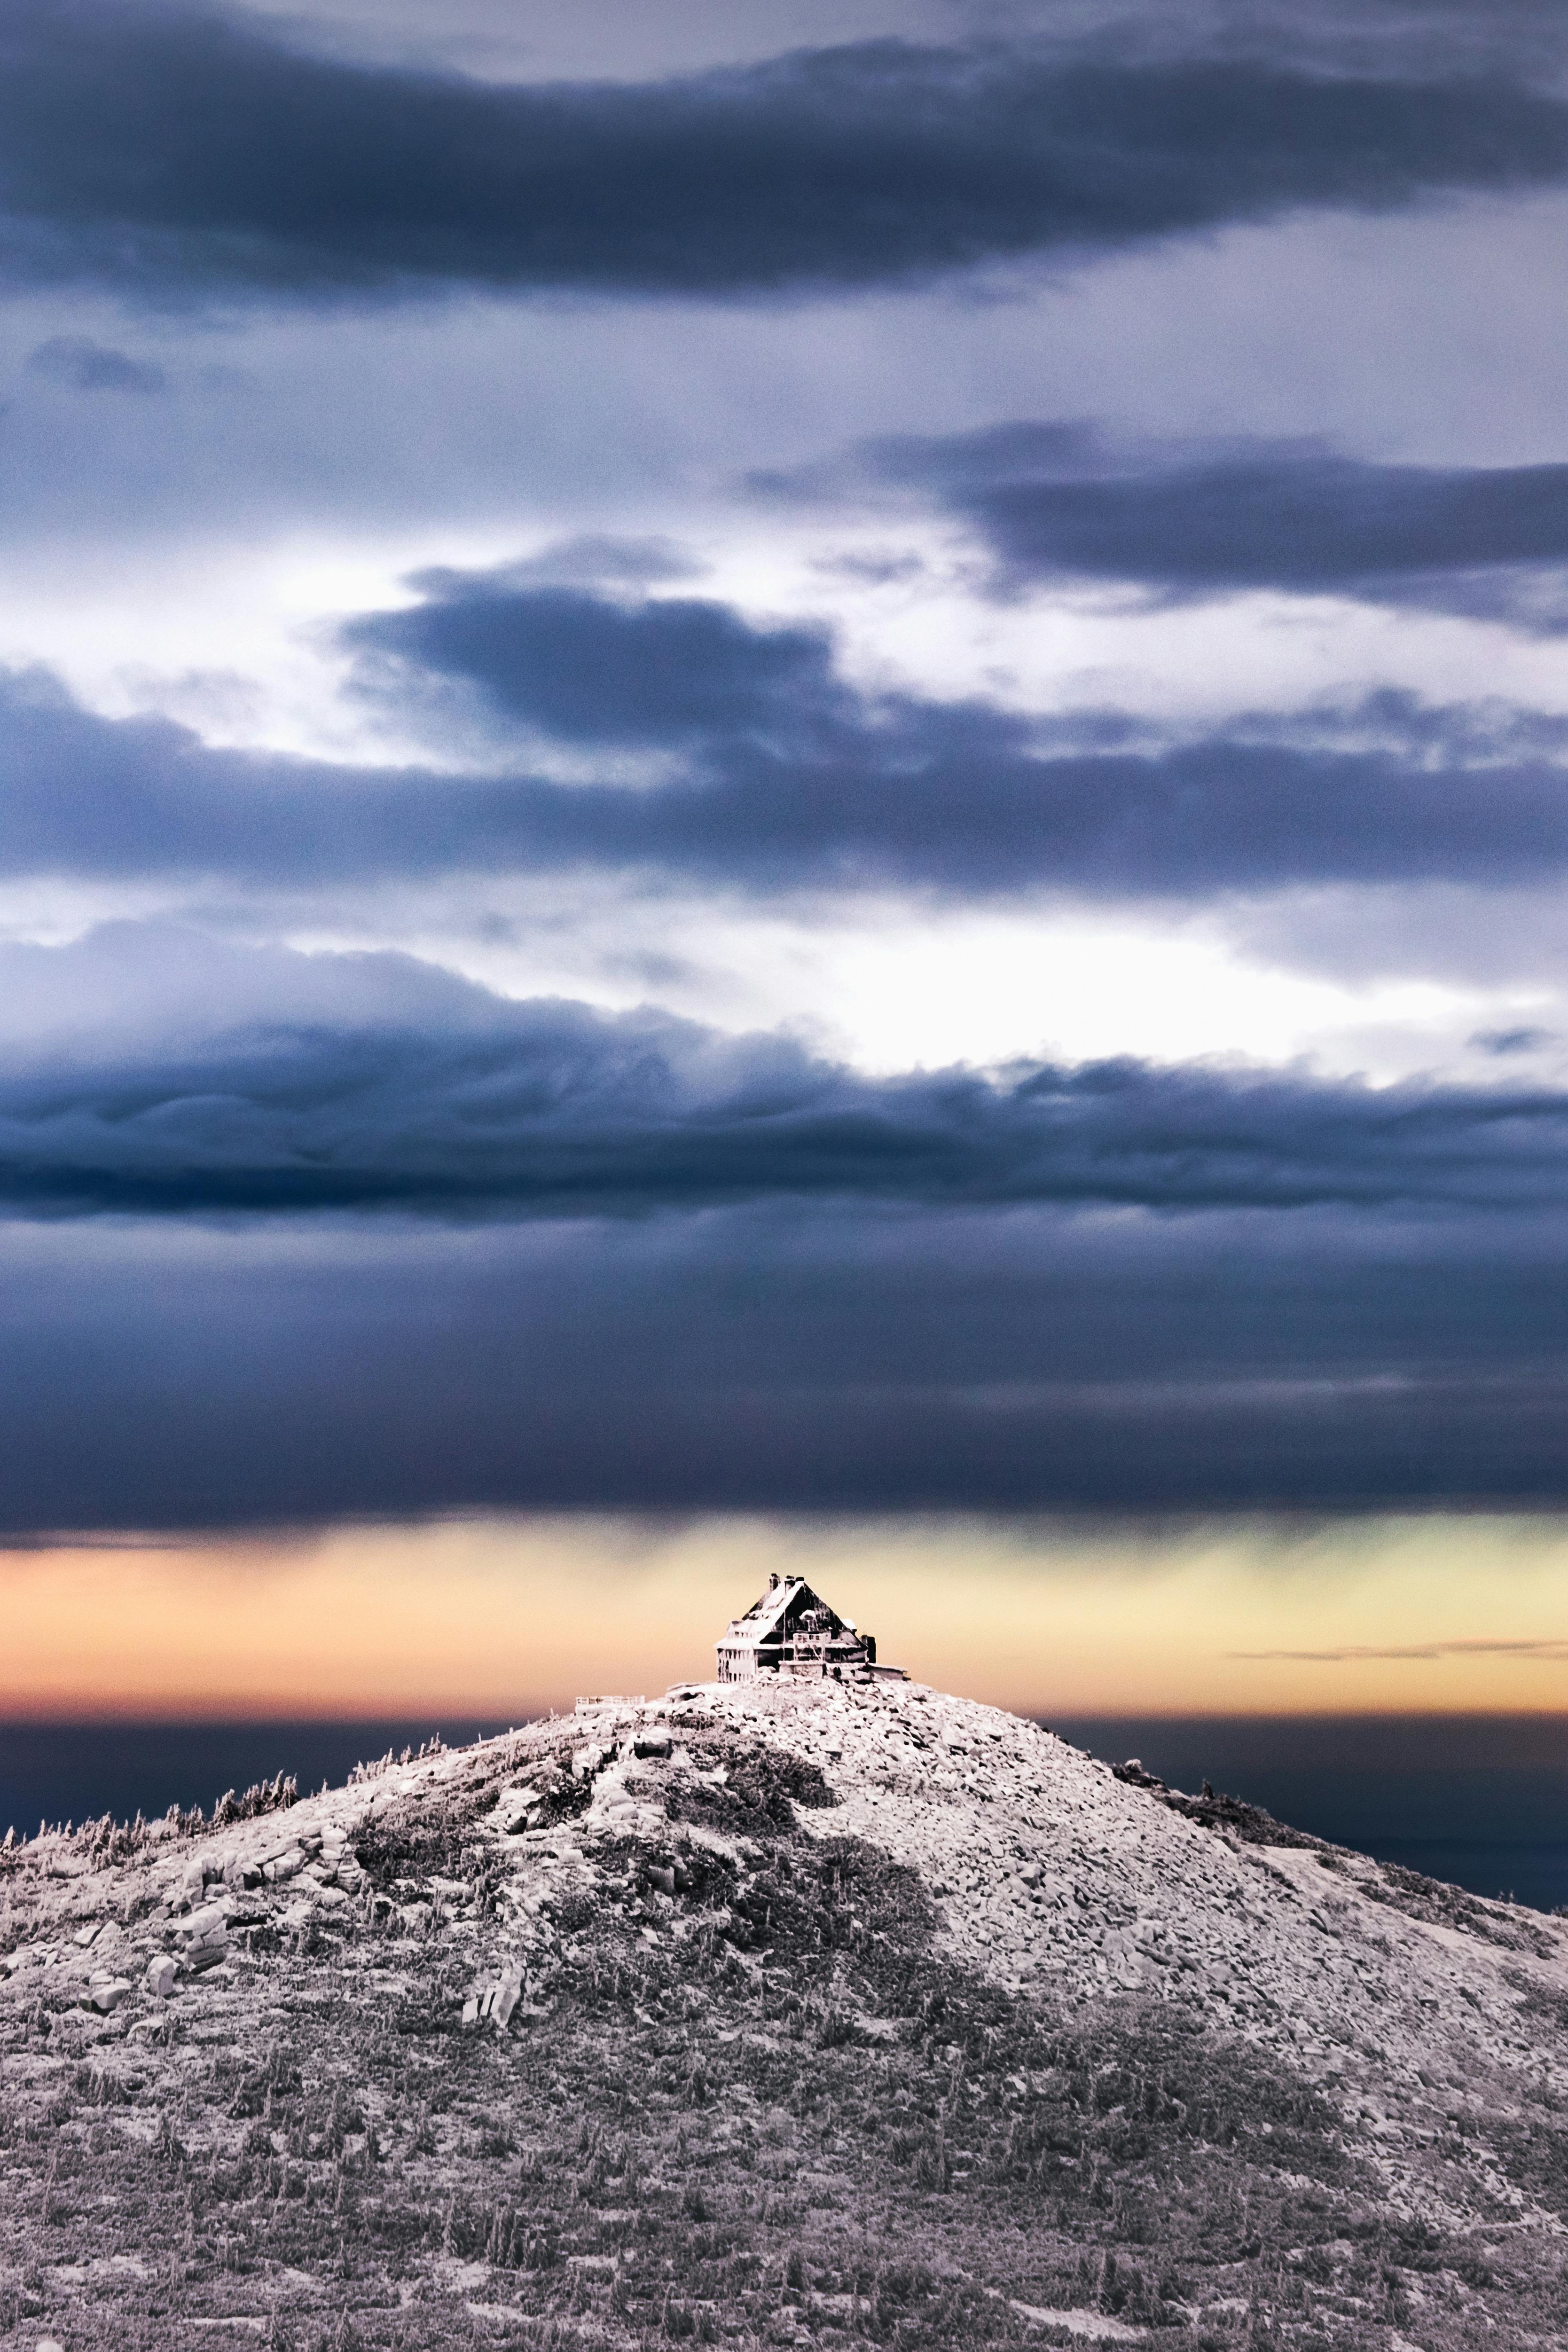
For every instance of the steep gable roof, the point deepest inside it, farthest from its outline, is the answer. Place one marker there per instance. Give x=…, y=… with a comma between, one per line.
x=765, y=1615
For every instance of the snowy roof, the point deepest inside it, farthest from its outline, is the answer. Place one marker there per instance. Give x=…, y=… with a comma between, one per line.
x=765, y=1615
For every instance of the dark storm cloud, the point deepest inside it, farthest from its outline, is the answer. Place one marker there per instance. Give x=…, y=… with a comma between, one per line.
x=165, y=148
x=773, y=772
x=459, y=1102
x=808, y=1358
x=666, y=674
x=786, y=779
x=1059, y=502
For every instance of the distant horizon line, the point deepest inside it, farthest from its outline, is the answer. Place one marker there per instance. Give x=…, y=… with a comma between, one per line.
x=126, y=1718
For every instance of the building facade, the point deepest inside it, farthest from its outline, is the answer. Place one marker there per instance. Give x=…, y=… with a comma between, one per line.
x=791, y=1630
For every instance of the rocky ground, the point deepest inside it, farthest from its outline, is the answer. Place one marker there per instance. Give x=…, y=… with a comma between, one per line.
x=798, y=2014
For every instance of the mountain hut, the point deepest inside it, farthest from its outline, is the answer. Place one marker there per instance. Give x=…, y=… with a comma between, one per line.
x=791, y=1630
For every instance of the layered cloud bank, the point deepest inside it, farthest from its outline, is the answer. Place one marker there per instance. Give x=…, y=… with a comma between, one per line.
x=406, y=1245
x=178, y=151
x=442, y=1098
x=772, y=1359
x=1059, y=502
x=763, y=769
x=816, y=776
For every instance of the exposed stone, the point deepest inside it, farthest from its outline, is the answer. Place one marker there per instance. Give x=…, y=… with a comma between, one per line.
x=205, y=1938
x=1317, y=1961
x=520, y=1809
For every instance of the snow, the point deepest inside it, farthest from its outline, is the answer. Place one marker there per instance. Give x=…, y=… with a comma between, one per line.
x=1313, y=1960
x=1051, y=1879
x=1096, y=2326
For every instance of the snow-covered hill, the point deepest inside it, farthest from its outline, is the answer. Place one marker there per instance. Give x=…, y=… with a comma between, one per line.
x=767, y=2014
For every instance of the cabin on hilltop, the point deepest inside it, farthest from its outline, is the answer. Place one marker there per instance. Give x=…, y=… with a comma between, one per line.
x=791, y=1630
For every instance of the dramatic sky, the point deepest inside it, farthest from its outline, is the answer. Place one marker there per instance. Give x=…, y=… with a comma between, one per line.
x=784, y=786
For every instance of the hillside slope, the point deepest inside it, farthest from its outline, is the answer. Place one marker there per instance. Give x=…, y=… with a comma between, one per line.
x=767, y=2016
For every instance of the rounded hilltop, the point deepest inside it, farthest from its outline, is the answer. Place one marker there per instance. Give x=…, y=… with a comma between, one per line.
x=792, y=2006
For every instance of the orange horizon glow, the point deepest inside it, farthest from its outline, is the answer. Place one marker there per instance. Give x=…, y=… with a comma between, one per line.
x=503, y=1618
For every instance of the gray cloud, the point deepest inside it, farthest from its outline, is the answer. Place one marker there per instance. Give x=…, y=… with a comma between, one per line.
x=670, y=673
x=453, y=1101
x=1059, y=502
x=777, y=774
x=1503, y=1042
x=160, y=149
x=810, y=1356
x=287, y=1237
x=380, y=1241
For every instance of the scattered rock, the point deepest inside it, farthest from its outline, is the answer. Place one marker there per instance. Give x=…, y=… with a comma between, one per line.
x=209, y=1922
x=205, y=1938
x=1064, y=1889
x=520, y=1809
